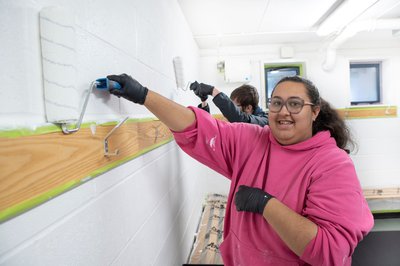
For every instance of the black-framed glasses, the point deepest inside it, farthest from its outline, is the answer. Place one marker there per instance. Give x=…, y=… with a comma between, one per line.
x=294, y=105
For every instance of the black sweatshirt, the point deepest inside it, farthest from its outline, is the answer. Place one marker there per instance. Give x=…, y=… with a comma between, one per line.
x=234, y=114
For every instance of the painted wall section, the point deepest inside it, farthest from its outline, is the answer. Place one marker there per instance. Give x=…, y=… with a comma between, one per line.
x=377, y=157
x=144, y=212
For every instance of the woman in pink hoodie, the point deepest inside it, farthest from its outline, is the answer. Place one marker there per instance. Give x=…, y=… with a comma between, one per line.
x=294, y=198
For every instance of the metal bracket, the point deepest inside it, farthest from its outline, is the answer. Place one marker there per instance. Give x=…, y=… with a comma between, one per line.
x=116, y=152
x=64, y=126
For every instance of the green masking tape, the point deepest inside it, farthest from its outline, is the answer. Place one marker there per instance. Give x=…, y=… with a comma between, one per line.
x=24, y=132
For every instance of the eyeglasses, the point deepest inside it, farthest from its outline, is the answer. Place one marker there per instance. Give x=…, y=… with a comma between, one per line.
x=294, y=105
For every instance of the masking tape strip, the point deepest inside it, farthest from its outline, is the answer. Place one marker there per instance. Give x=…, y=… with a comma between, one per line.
x=369, y=117
x=25, y=132
x=385, y=211
x=369, y=108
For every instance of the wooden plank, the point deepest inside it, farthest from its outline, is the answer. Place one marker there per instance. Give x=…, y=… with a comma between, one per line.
x=356, y=112
x=48, y=164
x=368, y=112
x=36, y=166
x=382, y=193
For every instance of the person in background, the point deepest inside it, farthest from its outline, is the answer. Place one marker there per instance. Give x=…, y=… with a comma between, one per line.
x=294, y=197
x=242, y=106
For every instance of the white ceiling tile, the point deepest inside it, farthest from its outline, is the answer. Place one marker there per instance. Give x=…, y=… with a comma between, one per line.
x=218, y=23
x=224, y=16
x=289, y=15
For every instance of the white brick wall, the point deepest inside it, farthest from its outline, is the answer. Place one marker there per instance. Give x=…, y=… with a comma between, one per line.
x=131, y=215
x=144, y=212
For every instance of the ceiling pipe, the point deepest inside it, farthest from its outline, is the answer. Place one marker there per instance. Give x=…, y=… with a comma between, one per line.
x=351, y=30
x=342, y=13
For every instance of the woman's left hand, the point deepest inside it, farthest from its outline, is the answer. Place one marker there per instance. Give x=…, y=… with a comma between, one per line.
x=251, y=199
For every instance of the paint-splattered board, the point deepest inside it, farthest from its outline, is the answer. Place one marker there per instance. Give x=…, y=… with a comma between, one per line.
x=39, y=165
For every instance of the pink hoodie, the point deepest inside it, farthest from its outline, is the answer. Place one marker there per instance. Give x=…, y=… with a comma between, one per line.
x=314, y=178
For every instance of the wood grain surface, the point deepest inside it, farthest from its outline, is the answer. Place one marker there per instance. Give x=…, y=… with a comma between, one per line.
x=35, y=165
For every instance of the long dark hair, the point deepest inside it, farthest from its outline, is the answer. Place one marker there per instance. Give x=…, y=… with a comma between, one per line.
x=328, y=118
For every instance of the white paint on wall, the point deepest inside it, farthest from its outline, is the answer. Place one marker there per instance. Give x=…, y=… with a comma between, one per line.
x=21, y=96
x=58, y=53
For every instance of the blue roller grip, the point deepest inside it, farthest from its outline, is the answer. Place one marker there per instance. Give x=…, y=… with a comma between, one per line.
x=106, y=84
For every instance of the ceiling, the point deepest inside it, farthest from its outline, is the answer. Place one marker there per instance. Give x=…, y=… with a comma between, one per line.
x=220, y=23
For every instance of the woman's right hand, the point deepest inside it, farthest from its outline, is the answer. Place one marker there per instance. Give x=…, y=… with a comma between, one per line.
x=131, y=89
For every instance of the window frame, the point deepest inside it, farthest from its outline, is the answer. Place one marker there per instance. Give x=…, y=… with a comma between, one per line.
x=378, y=66
x=278, y=66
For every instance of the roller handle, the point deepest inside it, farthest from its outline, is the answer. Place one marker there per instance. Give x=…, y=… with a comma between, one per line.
x=106, y=84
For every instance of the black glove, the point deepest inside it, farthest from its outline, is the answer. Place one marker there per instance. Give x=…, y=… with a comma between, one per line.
x=205, y=108
x=131, y=89
x=251, y=199
x=201, y=90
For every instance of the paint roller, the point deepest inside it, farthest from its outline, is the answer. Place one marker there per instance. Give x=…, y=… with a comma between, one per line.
x=179, y=75
x=58, y=46
x=107, y=84
x=57, y=39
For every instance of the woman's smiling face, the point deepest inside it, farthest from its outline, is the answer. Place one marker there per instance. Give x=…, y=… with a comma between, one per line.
x=290, y=128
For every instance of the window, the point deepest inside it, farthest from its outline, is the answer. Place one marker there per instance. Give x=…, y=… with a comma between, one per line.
x=274, y=73
x=365, y=83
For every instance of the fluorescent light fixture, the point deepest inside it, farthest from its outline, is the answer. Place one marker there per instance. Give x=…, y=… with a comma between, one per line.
x=347, y=12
